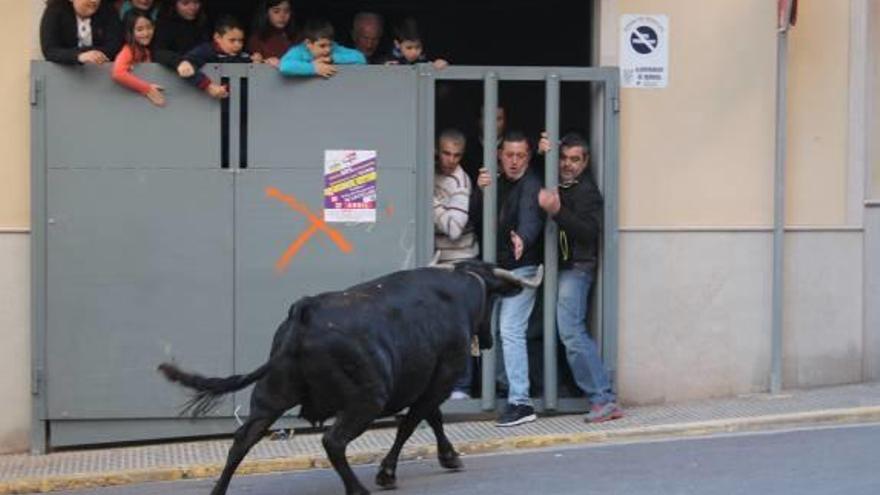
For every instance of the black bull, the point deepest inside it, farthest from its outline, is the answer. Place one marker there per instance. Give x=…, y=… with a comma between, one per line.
x=398, y=341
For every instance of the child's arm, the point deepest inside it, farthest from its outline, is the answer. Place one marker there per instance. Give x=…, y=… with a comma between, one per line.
x=297, y=62
x=196, y=58
x=122, y=72
x=347, y=56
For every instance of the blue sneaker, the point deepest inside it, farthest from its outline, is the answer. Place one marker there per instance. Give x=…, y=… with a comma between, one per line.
x=516, y=414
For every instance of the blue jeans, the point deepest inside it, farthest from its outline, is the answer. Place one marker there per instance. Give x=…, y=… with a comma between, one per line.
x=580, y=349
x=513, y=322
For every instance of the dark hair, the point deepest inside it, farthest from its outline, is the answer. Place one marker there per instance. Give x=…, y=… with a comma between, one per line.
x=227, y=23
x=407, y=30
x=54, y=4
x=573, y=140
x=168, y=10
x=514, y=136
x=317, y=29
x=128, y=23
x=263, y=29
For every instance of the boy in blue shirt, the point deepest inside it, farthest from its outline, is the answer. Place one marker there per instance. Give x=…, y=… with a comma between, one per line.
x=318, y=55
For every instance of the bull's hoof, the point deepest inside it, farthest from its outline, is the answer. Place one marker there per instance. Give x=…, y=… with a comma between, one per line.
x=386, y=479
x=451, y=461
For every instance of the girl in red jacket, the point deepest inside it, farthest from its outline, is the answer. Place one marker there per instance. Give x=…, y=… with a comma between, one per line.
x=138, y=36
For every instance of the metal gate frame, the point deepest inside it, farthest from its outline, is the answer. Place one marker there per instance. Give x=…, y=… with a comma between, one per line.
x=606, y=101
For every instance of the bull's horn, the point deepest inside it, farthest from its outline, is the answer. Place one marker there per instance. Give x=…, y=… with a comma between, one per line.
x=435, y=263
x=435, y=260
x=532, y=282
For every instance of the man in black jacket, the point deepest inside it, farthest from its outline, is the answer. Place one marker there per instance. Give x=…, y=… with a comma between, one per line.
x=520, y=239
x=576, y=207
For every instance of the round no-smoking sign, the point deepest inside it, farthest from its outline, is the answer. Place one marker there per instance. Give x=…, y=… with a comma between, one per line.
x=644, y=54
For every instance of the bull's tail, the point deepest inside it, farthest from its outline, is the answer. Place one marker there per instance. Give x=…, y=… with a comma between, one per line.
x=209, y=391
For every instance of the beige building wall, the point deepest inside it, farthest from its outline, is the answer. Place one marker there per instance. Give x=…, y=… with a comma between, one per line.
x=818, y=114
x=17, y=23
x=700, y=152
x=874, y=101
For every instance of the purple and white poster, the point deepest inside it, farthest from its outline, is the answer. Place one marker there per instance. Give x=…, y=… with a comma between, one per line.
x=349, y=185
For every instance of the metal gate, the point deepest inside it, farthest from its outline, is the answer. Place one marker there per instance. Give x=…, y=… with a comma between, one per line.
x=167, y=233
x=604, y=87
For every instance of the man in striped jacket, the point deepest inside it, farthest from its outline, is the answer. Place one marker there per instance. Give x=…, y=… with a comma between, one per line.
x=454, y=236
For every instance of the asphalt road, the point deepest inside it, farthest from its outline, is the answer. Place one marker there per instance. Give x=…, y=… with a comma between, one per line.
x=826, y=461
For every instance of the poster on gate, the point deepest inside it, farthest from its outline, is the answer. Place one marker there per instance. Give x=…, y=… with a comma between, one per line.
x=350, y=186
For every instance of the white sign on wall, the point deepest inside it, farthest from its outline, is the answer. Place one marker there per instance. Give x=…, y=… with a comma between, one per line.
x=644, y=51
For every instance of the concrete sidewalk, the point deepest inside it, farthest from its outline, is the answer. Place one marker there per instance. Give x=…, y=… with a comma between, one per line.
x=173, y=461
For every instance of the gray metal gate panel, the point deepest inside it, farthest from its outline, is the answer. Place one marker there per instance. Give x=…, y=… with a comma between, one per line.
x=139, y=270
x=98, y=123
x=266, y=227
x=370, y=108
x=138, y=242
x=288, y=134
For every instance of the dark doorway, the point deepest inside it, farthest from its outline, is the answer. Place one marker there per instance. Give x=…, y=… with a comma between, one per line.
x=467, y=32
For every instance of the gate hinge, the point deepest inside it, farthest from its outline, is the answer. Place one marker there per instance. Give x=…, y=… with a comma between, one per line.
x=36, y=88
x=37, y=382
x=615, y=104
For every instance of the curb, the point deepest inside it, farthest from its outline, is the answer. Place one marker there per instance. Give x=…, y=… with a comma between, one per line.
x=315, y=461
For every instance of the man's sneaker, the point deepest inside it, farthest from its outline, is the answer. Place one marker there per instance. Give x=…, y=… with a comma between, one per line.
x=459, y=395
x=516, y=414
x=603, y=412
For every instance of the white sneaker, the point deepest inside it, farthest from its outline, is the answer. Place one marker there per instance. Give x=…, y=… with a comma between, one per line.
x=459, y=395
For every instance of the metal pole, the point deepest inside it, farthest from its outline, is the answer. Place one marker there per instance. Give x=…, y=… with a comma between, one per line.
x=779, y=207
x=490, y=205
x=551, y=179
x=610, y=257
x=424, y=227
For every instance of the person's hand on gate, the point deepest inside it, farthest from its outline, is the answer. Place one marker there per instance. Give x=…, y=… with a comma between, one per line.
x=185, y=69
x=155, y=95
x=517, y=242
x=544, y=144
x=217, y=91
x=96, y=57
x=484, y=180
x=324, y=69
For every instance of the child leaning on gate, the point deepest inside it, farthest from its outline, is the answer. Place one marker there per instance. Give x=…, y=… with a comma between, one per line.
x=408, y=47
x=318, y=55
x=273, y=32
x=138, y=36
x=225, y=48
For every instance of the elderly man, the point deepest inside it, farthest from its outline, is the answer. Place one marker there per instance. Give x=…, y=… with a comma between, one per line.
x=576, y=207
x=366, y=34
